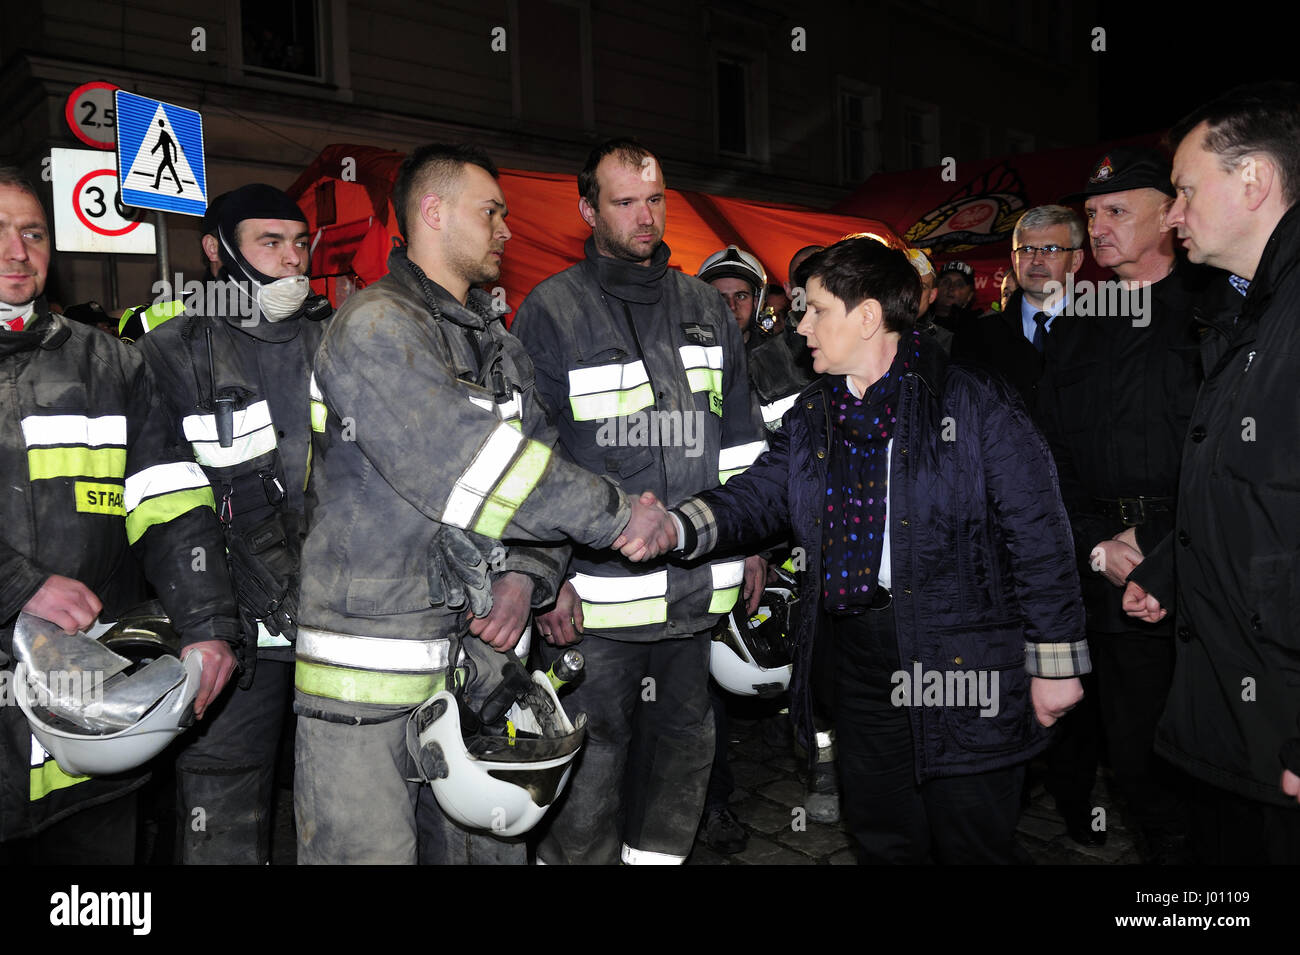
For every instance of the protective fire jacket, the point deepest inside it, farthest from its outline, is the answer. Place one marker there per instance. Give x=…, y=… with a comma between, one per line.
x=643, y=370
x=775, y=376
x=90, y=477
x=427, y=426
x=261, y=371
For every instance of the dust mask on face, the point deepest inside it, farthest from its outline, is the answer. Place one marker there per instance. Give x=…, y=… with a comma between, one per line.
x=283, y=297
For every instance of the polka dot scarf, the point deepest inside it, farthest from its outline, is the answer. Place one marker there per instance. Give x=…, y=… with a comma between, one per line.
x=857, y=481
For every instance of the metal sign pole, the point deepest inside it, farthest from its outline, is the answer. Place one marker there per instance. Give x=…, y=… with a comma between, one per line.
x=164, y=263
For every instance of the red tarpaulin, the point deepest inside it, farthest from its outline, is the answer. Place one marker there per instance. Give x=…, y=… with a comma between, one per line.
x=344, y=195
x=971, y=217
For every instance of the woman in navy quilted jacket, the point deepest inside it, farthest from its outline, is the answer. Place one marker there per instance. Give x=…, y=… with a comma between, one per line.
x=942, y=623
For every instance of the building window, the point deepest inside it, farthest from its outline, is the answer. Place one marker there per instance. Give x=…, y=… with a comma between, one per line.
x=551, y=64
x=283, y=38
x=920, y=135
x=859, y=116
x=732, y=105
x=973, y=141
x=1018, y=142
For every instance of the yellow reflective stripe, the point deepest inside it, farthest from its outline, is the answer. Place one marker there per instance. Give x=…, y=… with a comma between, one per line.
x=611, y=404
x=724, y=476
x=157, y=314
x=511, y=490
x=724, y=600
x=492, y=460
x=318, y=415
x=633, y=613
x=727, y=578
x=49, y=777
x=366, y=686
x=165, y=507
x=705, y=379
x=43, y=463
x=163, y=479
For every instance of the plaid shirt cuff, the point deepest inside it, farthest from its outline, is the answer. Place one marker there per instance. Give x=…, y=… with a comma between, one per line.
x=1058, y=661
x=701, y=528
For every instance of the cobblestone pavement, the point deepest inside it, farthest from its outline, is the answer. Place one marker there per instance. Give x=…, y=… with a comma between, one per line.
x=770, y=788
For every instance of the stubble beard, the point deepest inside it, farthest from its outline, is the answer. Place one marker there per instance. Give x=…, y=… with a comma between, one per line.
x=613, y=246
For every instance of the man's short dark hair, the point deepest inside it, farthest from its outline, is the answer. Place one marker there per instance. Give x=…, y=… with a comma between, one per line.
x=11, y=176
x=1257, y=118
x=434, y=168
x=628, y=150
x=854, y=270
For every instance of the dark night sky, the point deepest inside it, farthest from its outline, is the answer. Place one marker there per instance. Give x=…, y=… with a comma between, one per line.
x=1162, y=60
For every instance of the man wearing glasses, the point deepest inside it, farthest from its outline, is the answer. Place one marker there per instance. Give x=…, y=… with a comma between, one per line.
x=1047, y=248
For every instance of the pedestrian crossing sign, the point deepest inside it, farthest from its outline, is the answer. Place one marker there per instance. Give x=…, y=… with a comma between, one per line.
x=160, y=155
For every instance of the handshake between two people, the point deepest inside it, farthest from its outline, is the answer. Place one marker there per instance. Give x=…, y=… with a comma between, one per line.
x=650, y=531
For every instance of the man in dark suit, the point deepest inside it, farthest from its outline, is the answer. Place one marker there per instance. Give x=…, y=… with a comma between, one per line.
x=1047, y=249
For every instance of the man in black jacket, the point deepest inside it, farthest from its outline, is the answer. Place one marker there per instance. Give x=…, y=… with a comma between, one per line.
x=1231, y=567
x=236, y=388
x=88, y=472
x=1120, y=380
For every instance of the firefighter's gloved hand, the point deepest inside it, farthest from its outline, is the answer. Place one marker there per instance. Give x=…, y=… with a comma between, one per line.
x=264, y=567
x=458, y=573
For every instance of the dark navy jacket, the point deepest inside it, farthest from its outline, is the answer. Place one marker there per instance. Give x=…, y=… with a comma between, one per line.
x=983, y=571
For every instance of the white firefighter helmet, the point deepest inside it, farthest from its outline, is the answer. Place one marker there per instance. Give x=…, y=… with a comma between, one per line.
x=754, y=659
x=734, y=263
x=107, y=705
x=501, y=782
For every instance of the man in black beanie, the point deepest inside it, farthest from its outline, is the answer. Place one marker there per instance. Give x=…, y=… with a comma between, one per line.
x=234, y=372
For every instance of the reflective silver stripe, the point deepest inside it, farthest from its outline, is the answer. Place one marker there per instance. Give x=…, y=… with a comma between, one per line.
x=728, y=574
x=701, y=356
x=74, y=429
x=253, y=432
x=505, y=410
x=481, y=476
x=777, y=409
x=265, y=638
x=622, y=589
x=593, y=381
x=740, y=456
x=162, y=479
x=825, y=739
x=388, y=654
x=645, y=857
x=203, y=427
x=314, y=389
x=484, y=403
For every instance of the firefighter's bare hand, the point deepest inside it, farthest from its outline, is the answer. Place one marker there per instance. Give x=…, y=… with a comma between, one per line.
x=1291, y=784
x=649, y=532
x=1054, y=698
x=218, y=663
x=1142, y=605
x=67, y=602
x=562, y=625
x=512, y=597
x=1128, y=536
x=755, y=579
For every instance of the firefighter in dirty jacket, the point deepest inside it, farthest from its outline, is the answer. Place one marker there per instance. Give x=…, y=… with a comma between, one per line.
x=90, y=478
x=234, y=371
x=643, y=369
x=429, y=446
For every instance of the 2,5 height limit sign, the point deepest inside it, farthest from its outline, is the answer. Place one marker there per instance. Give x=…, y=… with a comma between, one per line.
x=160, y=155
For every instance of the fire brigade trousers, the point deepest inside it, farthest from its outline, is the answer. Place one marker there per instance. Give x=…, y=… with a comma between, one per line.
x=649, y=752
x=225, y=776
x=358, y=798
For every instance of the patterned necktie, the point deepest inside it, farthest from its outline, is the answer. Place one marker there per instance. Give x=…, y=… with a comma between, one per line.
x=1040, y=330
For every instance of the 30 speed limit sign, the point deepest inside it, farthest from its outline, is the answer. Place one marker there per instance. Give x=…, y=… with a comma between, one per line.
x=88, y=211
